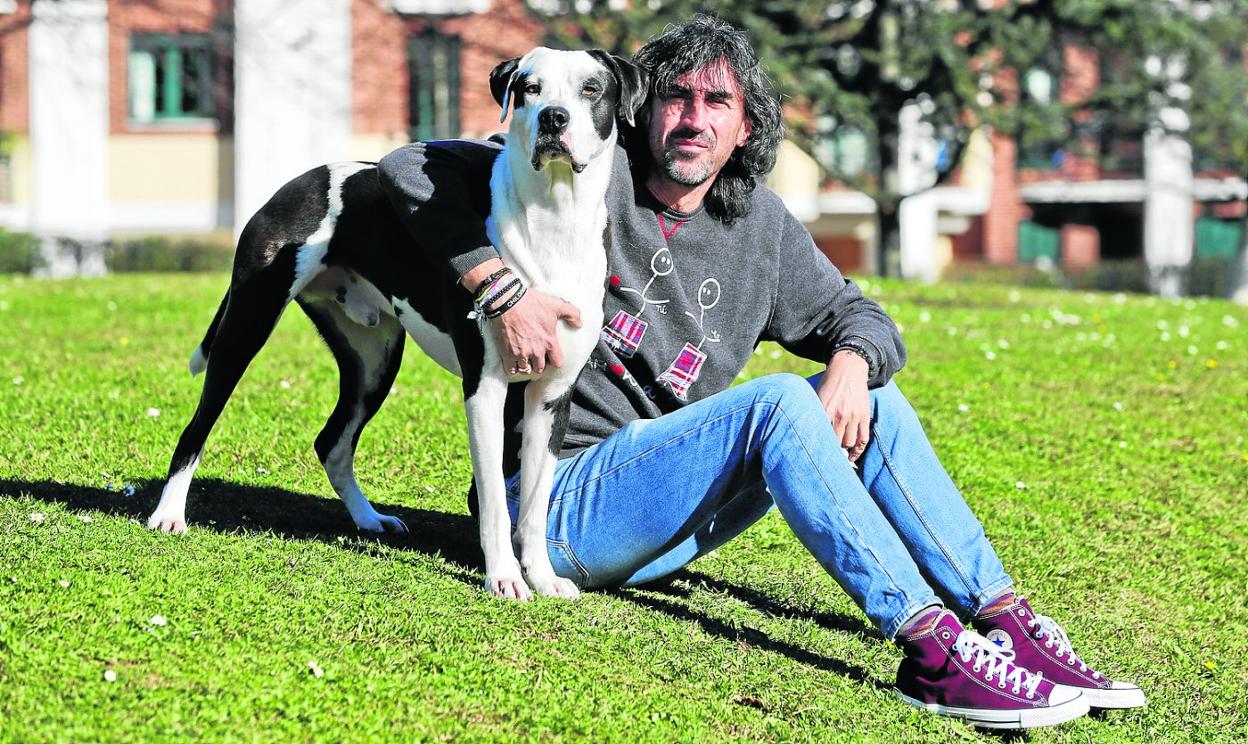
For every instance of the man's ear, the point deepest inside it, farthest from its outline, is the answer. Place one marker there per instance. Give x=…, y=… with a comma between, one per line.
x=634, y=83
x=501, y=78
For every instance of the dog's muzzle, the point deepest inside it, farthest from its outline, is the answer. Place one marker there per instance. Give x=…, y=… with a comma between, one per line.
x=550, y=147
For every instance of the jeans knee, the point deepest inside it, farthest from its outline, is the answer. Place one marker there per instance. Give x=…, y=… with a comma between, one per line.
x=786, y=390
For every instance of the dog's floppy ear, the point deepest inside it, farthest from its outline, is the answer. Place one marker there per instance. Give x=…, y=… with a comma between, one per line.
x=634, y=84
x=501, y=78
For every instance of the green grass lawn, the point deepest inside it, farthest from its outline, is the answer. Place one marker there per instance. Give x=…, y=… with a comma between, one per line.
x=1100, y=438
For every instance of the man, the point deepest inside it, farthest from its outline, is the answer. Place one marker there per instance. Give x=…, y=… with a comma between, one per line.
x=663, y=462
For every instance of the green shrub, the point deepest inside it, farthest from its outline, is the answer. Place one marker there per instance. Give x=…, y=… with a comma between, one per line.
x=19, y=252
x=163, y=253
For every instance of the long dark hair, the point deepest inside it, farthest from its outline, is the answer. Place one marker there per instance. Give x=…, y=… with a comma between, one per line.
x=693, y=45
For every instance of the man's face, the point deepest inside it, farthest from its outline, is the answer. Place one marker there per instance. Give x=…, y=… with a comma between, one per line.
x=697, y=127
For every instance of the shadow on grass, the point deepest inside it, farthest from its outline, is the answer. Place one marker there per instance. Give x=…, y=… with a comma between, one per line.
x=226, y=507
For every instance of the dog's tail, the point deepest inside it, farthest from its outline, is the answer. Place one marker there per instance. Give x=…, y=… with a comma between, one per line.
x=199, y=357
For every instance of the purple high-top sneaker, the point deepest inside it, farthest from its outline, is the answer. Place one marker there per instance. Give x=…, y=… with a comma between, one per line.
x=1041, y=645
x=957, y=672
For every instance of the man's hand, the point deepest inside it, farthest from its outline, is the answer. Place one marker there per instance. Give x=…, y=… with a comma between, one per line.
x=843, y=391
x=526, y=333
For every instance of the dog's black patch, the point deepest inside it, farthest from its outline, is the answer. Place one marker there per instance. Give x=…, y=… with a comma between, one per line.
x=561, y=407
x=603, y=107
x=341, y=296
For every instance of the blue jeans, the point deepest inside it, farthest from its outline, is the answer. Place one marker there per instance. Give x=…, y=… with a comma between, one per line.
x=896, y=534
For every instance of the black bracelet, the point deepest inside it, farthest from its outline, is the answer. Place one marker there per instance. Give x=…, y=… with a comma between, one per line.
x=488, y=279
x=511, y=301
x=855, y=349
x=485, y=303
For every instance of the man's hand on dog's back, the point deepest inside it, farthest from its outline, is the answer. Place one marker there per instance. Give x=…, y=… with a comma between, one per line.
x=527, y=332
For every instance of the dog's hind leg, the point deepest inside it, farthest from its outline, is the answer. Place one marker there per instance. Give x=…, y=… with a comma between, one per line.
x=368, y=359
x=252, y=310
x=484, y=407
x=546, y=406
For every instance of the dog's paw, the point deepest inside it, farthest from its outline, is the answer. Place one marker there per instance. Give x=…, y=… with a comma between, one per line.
x=172, y=523
x=508, y=587
x=556, y=586
x=380, y=524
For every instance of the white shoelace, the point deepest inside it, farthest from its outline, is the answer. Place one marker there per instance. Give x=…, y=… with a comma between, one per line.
x=1053, y=635
x=998, y=661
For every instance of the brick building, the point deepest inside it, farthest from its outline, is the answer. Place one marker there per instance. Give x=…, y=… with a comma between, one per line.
x=122, y=117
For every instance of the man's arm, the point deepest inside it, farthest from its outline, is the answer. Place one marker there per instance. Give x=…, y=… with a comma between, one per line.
x=441, y=192
x=821, y=315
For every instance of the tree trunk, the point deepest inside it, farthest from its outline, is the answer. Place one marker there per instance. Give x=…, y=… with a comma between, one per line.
x=888, y=238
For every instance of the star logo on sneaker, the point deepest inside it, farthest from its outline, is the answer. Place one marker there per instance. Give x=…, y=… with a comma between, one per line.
x=1001, y=638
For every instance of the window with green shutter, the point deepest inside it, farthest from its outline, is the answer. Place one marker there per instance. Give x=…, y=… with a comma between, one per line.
x=171, y=77
x=433, y=85
x=1217, y=238
x=1036, y=241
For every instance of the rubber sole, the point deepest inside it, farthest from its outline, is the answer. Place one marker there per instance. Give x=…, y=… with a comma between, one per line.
x=1120, y=698
x=1025, y=718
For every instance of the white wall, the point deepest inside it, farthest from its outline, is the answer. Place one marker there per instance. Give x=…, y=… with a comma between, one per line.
x=69, y=119
x=292, y=93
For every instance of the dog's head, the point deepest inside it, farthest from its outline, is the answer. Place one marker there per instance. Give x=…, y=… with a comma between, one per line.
x=564, y=104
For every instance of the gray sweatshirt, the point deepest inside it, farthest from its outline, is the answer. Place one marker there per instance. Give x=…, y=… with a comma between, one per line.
x=688, y=297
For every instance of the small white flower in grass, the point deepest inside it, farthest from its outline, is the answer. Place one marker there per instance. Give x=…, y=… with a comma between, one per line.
x=1165, y=337
x=1002, y=343
x=925, y=317
x=1119, y=298
x=1162, y=325
x=952, y=331
x=394, y=390
x=1020, y=485
x=63, y=583
x=153, y=413
x=1221, y=346
x=315, y=669
x=1117, y=405
x=1229, y=321
x=18, y=380
x=262, y=470
x=111, y=305
x=159, y=621
x=84, y=519
x=990, y=355
x=1122, y=444
x=1192, y=350
x=1026, y=318
x=1184, y=331
x=38, y=517
x=963, y=407
x=110, y=675
x=285, y=384
x=1015, y=296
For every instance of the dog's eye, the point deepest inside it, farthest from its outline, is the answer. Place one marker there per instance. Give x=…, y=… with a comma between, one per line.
x=532, y=89
x=589, y=90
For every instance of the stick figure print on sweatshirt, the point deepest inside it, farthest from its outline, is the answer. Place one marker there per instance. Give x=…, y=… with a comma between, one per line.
x=625, y=331
x=688, y=365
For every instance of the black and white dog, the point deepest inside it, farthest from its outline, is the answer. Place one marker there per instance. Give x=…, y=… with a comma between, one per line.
x=330, y=241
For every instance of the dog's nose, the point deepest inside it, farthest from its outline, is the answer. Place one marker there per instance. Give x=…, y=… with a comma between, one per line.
x=553, y=119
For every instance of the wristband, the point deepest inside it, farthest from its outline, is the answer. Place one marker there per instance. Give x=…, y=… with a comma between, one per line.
x=856, y=349
x=489, y=280
x=511, y=301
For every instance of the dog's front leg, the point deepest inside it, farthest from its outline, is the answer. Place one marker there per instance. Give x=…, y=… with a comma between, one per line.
x=485, y=440
x=545, y=421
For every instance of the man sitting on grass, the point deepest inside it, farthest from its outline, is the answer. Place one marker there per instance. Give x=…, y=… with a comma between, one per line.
x=663, y=462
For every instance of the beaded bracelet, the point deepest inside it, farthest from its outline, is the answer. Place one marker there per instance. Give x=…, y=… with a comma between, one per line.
x=488, y=283
x=856, y=349
x=511, y=301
